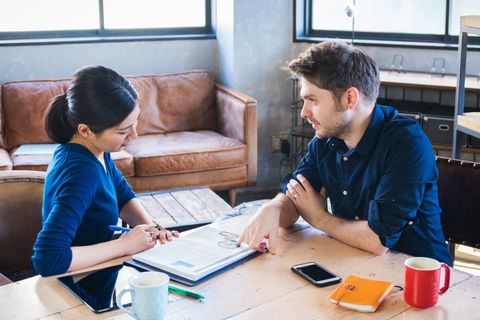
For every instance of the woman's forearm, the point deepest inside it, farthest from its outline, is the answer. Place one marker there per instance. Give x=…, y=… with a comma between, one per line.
x=86, y=256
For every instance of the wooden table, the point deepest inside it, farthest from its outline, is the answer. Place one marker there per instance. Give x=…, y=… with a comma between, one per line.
x=182, y=209
x=264, y=288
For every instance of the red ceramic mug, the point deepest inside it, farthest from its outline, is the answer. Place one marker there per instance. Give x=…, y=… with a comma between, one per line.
x=422, y=281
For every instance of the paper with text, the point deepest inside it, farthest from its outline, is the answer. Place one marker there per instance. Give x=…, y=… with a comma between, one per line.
x=201, y=251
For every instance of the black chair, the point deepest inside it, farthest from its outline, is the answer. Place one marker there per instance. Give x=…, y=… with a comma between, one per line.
x=459, y=196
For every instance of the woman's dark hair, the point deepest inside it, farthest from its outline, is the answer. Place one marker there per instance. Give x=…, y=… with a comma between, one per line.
x=336, y=66
x=98, y=97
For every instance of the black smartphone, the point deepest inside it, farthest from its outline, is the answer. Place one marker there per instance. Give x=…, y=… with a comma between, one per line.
x=316, y=274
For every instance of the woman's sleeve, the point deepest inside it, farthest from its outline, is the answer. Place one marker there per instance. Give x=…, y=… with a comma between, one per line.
x=52, y=249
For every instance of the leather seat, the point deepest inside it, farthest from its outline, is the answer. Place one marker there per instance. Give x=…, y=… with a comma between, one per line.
x=182, y=152
x=21, y=194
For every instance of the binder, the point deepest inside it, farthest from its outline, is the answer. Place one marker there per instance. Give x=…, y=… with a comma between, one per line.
x=145, y=267
x=198, y=254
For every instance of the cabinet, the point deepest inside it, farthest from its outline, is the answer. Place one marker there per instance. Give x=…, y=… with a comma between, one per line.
x=431, y=112
x=464, y=122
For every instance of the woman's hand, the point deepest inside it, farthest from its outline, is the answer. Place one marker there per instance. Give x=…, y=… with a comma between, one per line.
x=144, y=236
x=161, y=234
x=137, y=240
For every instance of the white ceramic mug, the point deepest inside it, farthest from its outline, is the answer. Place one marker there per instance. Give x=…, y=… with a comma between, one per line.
x=149, y=291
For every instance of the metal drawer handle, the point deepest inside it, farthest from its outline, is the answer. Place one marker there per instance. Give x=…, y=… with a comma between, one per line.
x=444, y=127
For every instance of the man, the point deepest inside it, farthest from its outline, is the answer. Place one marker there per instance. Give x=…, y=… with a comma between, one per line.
x=377, y=167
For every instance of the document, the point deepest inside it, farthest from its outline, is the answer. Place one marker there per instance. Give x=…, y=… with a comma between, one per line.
x=201, y=251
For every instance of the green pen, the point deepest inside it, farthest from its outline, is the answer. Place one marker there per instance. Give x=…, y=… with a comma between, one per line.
x=185, y=292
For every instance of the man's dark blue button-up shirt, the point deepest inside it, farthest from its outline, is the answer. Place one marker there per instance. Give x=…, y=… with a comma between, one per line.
x=389, y=179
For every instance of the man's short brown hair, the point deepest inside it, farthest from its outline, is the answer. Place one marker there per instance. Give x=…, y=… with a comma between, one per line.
x=336, y=66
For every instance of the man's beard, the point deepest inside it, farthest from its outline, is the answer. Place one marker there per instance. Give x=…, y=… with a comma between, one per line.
x=337, y=132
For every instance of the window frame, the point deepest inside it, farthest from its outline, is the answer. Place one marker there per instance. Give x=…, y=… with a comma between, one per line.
x=303, y=32
x=116, y=35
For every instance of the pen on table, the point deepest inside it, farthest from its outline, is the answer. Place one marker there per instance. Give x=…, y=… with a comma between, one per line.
x=184, y=292
x=118, y=228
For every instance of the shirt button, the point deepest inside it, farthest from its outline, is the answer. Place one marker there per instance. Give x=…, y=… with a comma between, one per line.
x=410, y=223
x=345, y=158
x=357, y=218
x=344, y=192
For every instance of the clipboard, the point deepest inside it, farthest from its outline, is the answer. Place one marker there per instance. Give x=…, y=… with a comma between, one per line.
x=140, y=266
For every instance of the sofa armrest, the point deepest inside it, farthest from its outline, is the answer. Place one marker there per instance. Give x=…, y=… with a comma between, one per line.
x=237, y=119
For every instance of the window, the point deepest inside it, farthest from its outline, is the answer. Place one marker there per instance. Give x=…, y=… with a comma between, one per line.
x=103, y=19
x=388, y=21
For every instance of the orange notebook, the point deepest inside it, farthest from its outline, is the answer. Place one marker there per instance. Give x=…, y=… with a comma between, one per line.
x=364, y=295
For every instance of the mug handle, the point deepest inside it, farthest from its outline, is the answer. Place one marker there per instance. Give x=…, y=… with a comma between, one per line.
x=119, y=301
x=446, y=281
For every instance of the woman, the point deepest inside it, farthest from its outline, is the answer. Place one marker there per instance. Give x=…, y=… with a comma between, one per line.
x=84, y=191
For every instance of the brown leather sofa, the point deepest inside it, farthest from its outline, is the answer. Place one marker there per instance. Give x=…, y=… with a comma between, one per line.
x=191, y=131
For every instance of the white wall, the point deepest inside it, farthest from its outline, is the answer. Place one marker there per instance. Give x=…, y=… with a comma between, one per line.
x=147, y=57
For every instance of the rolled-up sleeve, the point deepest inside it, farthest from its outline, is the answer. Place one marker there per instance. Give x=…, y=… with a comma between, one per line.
x=410, y=170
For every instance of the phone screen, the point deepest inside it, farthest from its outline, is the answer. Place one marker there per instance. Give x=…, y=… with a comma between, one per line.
x=316, y=272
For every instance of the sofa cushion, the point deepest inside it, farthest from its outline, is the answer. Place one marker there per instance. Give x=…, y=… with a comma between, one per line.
x=39, y=162
x=124, y=162
x=5, y=162
x=175, y=102
x=26, y=102
x=187, y=151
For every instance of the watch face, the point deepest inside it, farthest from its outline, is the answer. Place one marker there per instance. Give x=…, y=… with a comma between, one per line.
x=97, y=289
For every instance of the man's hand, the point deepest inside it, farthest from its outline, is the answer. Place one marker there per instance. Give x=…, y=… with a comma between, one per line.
x=262, y=230
x=312, y=205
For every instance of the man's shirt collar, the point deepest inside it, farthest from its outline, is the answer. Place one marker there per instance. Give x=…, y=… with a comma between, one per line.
x=369, y=139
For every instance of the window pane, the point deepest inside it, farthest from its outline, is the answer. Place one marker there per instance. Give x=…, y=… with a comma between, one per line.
x=461, y=8
x=48, y=15
x=143, y=14
x=391, y=16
